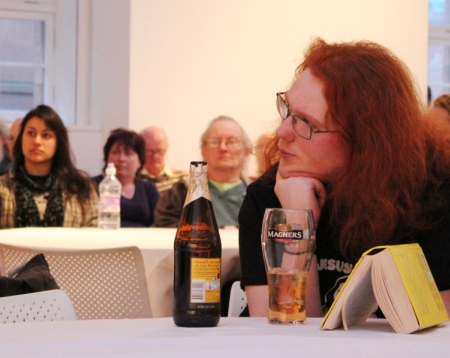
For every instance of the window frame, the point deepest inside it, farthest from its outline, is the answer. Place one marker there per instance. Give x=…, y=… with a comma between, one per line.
x=439, y=35
x=48, y=64
x=70, y=72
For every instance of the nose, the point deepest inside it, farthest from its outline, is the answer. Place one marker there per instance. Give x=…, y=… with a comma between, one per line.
x=121, y=156
x=37, y=139
x=285, y=130
x=223, y=145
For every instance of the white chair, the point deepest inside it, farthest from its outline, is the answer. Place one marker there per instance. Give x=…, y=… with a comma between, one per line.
x=102, y=284
x=238, y=300
x=53, y=305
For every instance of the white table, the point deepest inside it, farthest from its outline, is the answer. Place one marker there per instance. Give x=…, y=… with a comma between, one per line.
x=234, y=337
x=156, y=245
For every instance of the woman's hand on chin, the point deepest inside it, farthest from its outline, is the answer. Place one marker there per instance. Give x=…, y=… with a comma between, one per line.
x=301, y=193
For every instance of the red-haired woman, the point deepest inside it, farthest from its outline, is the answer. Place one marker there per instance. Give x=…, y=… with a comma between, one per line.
x=354, y=147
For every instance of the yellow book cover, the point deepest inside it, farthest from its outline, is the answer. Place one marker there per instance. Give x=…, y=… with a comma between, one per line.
x=419, y=284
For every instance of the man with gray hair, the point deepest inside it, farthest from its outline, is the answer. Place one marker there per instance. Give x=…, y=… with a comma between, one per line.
x=155, y=169
x=225, y=147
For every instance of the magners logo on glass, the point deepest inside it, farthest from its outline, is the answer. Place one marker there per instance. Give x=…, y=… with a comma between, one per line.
x=285, y=236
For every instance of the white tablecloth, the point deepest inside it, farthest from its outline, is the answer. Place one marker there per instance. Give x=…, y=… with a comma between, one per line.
x=156, y=245
x=234, y=337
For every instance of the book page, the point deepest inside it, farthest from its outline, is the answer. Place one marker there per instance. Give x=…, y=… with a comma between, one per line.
x=402, y=285
x=360, y=303
x=391, y=294
x=359, y=277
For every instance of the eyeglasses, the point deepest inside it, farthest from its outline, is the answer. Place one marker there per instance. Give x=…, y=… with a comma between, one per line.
x=231, y=143
x=300, y=125
x=154, y=153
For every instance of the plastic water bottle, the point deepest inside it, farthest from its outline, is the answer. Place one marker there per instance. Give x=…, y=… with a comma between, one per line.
x=109, y=188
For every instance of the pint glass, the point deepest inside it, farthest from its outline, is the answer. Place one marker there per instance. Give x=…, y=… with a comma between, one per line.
x=288, y=243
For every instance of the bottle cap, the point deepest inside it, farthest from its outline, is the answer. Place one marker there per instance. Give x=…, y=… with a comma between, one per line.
x=110, y=169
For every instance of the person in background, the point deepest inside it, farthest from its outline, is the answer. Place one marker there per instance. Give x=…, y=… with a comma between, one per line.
x=43, y=187
x=126, y=149
x=440, y=109
x=156, y=170
x=352, y=146
x=13, y=133
x=5, y=154
x=225, y=147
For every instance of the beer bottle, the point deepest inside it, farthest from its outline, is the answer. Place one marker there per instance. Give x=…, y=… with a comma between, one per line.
x=197, y=261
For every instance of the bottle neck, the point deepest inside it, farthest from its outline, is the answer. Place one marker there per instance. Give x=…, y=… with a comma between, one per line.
x=198, y=183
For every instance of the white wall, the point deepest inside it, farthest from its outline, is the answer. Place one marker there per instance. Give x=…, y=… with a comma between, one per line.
x=107, y=77
x=178, y=63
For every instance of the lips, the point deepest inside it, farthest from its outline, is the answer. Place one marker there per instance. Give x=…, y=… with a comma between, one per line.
x=36, y=151
x=284, y=153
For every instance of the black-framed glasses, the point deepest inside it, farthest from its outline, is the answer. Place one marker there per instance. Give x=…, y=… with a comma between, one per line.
x=300, y=125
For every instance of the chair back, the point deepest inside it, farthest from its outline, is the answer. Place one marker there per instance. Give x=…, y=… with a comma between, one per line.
x=102, y=284
x=238, y=300
x=53, y=305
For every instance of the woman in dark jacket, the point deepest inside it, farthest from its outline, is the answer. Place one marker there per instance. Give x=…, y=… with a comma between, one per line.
x=126, y=149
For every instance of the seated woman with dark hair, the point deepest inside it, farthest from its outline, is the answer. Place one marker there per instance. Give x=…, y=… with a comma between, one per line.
x=126, y=149
x=44, y=188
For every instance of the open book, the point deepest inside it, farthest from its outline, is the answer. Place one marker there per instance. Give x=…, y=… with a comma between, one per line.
x=398, y=279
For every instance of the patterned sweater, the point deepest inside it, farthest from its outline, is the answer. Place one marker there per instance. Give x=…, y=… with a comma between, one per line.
x=72, y=210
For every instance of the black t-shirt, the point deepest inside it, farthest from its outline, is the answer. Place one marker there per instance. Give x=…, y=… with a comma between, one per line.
x=333, y=268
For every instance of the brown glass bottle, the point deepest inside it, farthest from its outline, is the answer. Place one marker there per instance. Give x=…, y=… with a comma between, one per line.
x=197, y=260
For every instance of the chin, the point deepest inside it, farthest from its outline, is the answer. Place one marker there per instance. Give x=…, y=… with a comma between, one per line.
x=225, y=167
x=154, y=169
x=287, y=172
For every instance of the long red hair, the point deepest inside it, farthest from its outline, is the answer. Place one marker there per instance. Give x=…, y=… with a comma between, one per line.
x=398, y=161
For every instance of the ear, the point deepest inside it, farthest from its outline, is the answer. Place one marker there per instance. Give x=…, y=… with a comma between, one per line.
x=246, y=152
x=203, y=151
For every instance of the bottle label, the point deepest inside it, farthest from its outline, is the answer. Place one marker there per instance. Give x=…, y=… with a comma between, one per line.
x=205, y=281
x=110, y=203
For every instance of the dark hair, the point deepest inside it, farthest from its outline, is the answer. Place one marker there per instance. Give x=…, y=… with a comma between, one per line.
x=397, y=162
x=74, y=181
x=130, y=140
x=443, y=101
